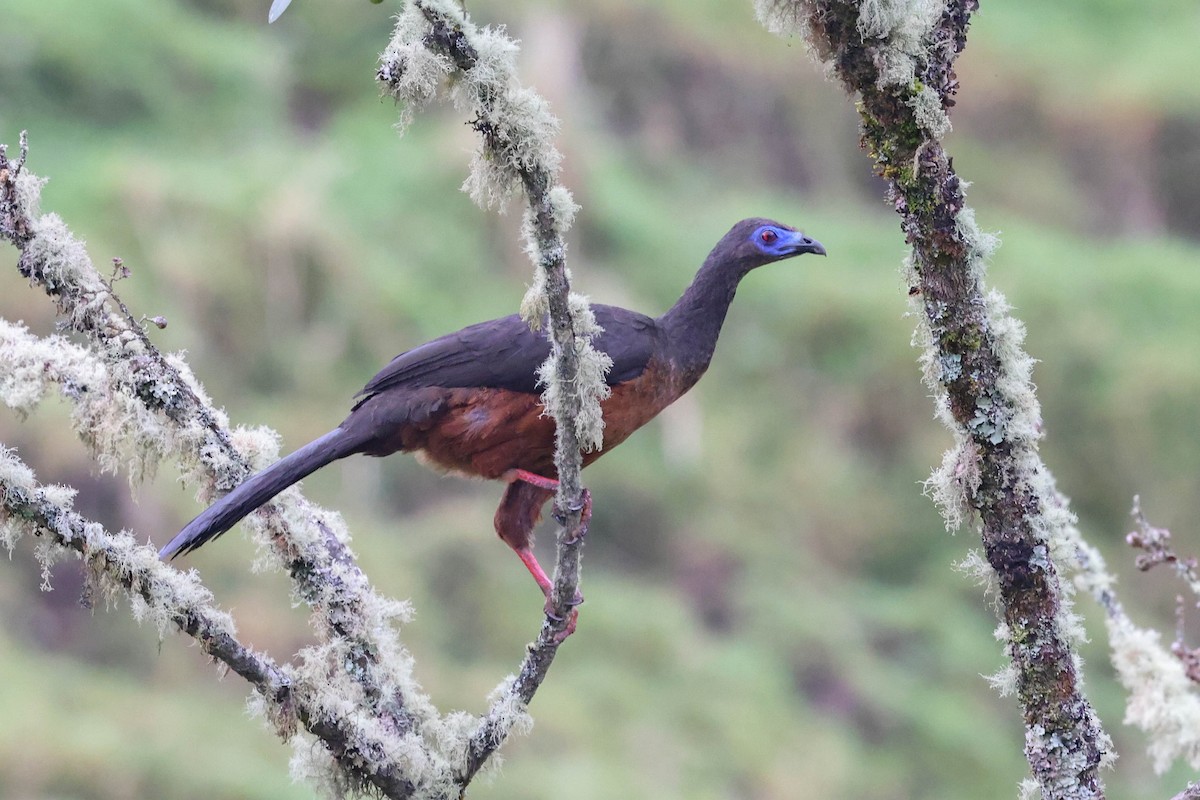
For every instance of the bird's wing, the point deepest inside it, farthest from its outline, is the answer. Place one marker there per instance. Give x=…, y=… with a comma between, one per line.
x=505, y=354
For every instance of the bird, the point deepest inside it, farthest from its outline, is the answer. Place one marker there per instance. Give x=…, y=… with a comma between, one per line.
x=469, y=402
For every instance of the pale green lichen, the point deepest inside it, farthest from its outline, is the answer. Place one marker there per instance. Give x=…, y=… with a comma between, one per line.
x=120, y=431
x=783, y=17
x=518, y=139
x=47, y=555
x=326, y=678
x=120, y=389
x=1022, y=417
x=981, y=245
x=929, y=113
x=27, y=197
x=506, y=705
x=589, y=390
x=516, y=125
x=951, y=485
x=412, y=71
x=30, y=365
x=63, y=264
x=119, y=428
x=117, y=564
x=450, y=735
x=516, y=153
x=333, y=684
x=258, y=445
x=14, y=472
x=312, y=764
x=1006, y=411
x=1162, y=700
x=535, y=305
x=903, y=28
x=1004, y=680
x=563, y=207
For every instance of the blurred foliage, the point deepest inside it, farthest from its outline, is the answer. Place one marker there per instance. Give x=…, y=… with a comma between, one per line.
x=772, y=606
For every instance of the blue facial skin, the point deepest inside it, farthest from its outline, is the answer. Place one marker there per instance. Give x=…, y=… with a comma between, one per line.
x=778, y=242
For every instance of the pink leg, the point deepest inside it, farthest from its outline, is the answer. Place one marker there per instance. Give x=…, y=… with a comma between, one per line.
x=518, y=513
x=531, y=478
x=535, y=569
x=539, y=575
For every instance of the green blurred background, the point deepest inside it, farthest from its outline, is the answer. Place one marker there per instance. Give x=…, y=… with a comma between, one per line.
x=772, y=609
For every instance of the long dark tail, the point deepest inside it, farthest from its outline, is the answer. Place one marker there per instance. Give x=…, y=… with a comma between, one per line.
x=259, y=488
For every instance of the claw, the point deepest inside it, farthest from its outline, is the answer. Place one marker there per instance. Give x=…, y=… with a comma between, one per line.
x=572, y=616
x=572, y=619
x=585, y=513
x=577, y=600
x=585, y=517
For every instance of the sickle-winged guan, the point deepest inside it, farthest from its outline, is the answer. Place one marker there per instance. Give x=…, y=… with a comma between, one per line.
x=469, y=402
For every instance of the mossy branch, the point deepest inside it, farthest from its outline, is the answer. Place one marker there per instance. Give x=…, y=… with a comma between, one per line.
x=897, y=59
x=434, y=41
x=133, y=406
x=1192, y=792
x=166, y=597
x=1161, y=682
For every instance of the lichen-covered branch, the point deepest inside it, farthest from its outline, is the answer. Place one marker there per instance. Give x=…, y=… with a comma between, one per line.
x=1162, y=697
x=166, y=597
x=1155, y=544
x=897, y=58
x=133, y=406
x=434, y=39
x=1192, y=792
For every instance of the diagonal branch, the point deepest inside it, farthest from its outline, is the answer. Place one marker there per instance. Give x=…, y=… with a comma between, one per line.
x=897, y=59
x=433, y=39
x=152, y=406
x=168, y=415
x=172, y=598
x=1192, y=792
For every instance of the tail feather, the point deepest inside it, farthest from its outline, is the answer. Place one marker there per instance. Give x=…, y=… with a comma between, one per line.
x=259, y=488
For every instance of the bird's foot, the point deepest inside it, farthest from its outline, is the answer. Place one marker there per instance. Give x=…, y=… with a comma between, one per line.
x=585, y=517
x=572, y=616
x=572, y=620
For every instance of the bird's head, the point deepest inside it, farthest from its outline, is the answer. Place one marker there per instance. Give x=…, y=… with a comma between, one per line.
x=754, y=242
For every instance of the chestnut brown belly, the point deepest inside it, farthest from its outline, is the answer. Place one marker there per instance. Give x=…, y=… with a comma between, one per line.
x=487, y=432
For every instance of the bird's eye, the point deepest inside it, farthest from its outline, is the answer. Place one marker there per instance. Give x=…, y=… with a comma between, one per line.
x=768, y=236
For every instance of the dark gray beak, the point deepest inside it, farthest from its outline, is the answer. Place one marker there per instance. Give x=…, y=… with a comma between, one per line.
x=806, y=244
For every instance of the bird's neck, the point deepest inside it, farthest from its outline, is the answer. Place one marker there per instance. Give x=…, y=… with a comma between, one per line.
x=694, y=322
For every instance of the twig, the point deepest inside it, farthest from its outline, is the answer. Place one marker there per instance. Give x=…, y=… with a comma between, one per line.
x=1156, y=544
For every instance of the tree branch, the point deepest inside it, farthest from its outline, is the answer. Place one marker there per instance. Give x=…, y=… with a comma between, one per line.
x=135, y=405
x=898, y=60
x=116, y=562
x=1192, y=792
x=434, y=39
